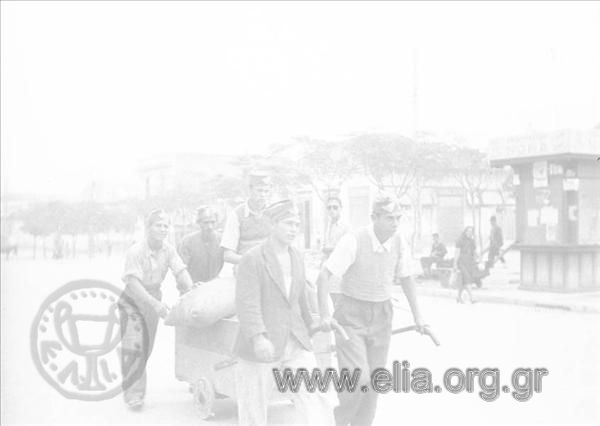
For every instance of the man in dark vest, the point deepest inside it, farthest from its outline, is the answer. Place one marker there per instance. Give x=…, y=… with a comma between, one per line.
x=246, y=226
x=369, y=262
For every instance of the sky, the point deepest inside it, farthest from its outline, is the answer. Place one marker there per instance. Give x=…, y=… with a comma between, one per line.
x=90, y=88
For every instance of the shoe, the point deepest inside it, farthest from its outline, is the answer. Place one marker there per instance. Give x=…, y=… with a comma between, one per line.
x=135, y=404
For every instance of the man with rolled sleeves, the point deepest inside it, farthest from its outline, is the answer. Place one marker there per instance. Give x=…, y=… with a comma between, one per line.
x=274, y=321
x=201, y=250
x=246, y=225
x=369, y=262
x=146, y=266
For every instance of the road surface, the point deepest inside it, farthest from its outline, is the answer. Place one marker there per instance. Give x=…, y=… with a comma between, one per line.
x=480, y=335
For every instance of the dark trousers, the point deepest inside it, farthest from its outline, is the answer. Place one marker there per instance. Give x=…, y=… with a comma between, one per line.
x=493, y=253
x=427, y=262
x=369, y=327
x=136, y=345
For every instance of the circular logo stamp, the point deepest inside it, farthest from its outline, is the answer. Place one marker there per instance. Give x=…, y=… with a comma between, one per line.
x=89, y=340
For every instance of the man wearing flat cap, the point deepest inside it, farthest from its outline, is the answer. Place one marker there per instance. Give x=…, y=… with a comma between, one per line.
x=201, y=250
x=246, y=225
x=146, y=265
x=369, y=262
x=274, y=322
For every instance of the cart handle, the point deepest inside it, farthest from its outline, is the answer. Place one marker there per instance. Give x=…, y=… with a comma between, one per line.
x=426, y=330
x=335, y=327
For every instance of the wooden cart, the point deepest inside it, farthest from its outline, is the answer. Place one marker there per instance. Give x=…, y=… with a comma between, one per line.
x=204, y=357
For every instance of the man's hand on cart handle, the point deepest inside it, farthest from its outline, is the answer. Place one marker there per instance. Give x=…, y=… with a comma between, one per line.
x=330, y=324
x=421, y=325
x=326, y=324
x=162, y=309
x=426, y=330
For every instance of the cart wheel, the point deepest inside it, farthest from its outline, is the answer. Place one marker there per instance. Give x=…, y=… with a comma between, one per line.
x=204, y=397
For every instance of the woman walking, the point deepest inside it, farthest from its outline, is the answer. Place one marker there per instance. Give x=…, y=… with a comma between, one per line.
x=465, y=262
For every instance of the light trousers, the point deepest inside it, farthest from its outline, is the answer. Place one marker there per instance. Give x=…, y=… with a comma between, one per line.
x=255, y=384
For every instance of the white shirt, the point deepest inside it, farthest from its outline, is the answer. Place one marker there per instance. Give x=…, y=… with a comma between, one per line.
x=333, y=233
x=344, y=254
x=285, y=262
x=231, y=231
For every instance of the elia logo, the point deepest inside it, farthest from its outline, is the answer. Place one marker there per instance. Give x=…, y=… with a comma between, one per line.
x=76, y=342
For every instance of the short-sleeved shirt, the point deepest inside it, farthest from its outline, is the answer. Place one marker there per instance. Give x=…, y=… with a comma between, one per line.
x=230, y=238
x=151, y=266
x=344, y=254
x=334, y=232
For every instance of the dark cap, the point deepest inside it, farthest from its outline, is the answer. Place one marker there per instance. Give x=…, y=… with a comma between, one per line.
x=282, y=210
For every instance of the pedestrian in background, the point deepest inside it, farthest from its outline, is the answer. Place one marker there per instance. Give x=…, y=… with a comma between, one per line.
x=465, y=263
x=496, y=243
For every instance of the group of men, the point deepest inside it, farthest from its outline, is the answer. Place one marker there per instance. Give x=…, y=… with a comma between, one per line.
x=358, y=271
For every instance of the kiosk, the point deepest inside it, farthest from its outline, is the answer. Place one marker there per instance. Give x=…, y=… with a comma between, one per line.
x=557, y=192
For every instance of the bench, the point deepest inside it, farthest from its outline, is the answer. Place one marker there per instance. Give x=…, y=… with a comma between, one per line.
x=442, y=273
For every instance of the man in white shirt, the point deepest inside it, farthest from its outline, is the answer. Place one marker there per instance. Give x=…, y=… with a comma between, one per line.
x=368, y=262
x=246, y=225
x=336, y=228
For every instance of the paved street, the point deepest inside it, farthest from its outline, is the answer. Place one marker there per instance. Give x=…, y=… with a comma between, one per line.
x=480, y=335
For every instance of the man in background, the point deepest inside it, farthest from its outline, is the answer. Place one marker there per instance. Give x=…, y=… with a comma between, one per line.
x=496, y=243
x=438, y=252
x=201, y=251
x=246, y=226
x=334, y=230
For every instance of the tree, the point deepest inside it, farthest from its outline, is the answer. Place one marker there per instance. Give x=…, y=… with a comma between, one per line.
x=386, y=159
x=36, y=222
x=428, y=164
x=324, y=165
x=226, y=187
x=470, y=168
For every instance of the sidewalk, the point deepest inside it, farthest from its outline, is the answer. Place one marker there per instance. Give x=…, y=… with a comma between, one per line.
x=502, y=286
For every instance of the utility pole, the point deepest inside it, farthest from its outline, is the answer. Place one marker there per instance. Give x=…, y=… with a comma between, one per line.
x=415, y=97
